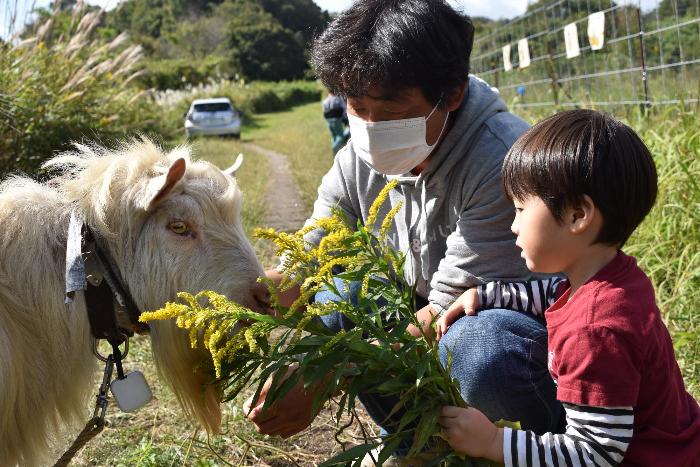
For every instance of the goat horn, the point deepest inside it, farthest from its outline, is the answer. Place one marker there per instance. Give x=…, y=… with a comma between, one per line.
x=236, y=165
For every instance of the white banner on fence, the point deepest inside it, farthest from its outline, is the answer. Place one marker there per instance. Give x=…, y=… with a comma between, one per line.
x=596, y=30
x=523, y=54
x=507, y=66
x=571, y=40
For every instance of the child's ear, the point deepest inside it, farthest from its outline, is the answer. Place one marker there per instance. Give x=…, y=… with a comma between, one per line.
x=581, y=216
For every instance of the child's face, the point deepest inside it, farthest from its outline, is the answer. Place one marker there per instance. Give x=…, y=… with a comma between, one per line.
x=543, y=240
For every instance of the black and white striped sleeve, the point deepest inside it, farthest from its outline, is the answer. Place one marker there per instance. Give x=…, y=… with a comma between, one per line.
x=595, y=436
x=528, y=297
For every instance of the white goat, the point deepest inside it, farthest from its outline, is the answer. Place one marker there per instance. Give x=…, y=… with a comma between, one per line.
x=170, y=225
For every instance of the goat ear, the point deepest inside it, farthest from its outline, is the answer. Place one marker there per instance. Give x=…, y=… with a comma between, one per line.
x=175, y=174
x=231, y=171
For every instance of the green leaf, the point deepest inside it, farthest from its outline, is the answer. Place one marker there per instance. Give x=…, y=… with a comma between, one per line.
x=391, y=386
x=388, y=450
x=323, y=366
x=277, y=392
x=409, y=416
x=358, y=452
x=427, y=426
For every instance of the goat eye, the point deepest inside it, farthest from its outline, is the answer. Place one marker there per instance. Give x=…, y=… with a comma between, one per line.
x=179, y=228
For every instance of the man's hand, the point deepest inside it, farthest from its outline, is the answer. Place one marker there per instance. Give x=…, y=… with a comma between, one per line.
x=425, y=316
x=469, y=432
x=285, y=417
x=261, y=296
x=288, y=296
x=467, y=303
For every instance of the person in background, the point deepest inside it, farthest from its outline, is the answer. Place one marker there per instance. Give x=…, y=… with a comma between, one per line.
x=335, y=113
x=581, y=183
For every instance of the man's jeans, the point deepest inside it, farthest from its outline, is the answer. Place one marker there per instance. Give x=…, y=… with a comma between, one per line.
x=499, y=358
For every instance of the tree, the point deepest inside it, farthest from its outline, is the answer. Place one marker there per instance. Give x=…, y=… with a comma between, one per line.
x=155, y=17
x=671, y=8
x=260, y=47
x=197, y=39
x=302, y=16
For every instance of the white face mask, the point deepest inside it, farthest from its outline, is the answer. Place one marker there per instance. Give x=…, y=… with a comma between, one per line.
x=392, y=147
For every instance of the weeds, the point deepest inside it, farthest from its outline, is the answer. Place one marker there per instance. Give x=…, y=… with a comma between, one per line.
x=63, y=86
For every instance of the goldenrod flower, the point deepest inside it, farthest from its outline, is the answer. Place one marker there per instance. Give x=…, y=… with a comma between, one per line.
x=386, y=223
x=381, y=198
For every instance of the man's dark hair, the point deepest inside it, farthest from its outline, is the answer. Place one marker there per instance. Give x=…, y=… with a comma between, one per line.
x=584, y=152
x=395, y=44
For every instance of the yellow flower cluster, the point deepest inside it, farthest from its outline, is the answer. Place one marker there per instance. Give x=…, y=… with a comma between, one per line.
x=217, y=323
x=314, y=266
x=381, y=198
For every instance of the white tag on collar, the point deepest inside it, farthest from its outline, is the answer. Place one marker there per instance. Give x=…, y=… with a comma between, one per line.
x=131, y=392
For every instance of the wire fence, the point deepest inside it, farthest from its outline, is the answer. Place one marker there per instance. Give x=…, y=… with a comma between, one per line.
x=595, y=53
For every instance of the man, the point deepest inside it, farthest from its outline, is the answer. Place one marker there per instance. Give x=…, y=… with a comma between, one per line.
x=334, y=111
x=416, y=116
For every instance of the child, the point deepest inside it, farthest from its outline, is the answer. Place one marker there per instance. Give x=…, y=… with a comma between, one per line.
x=581, y=182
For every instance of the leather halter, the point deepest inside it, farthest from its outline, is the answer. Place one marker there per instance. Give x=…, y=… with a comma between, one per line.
x=112, y=312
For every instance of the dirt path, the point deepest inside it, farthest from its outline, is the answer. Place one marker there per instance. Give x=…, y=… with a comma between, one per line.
x=285, y=210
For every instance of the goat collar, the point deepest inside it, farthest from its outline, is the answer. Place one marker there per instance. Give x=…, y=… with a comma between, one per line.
x=111, y=310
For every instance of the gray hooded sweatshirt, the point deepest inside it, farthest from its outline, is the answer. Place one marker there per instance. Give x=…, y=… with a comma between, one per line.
x=454, y=226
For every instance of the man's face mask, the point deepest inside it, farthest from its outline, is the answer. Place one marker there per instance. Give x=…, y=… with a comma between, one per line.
x=392, y=147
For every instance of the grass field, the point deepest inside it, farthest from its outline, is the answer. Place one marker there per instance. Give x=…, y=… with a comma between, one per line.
x=666, y=244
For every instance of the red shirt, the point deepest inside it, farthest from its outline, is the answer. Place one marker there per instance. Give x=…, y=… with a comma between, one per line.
x=609, y=347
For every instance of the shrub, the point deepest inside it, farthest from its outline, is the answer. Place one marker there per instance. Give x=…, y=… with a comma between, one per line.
x=53, y=92
x=179, y=73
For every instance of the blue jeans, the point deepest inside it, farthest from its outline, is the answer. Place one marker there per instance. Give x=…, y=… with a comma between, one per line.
x=499, y=358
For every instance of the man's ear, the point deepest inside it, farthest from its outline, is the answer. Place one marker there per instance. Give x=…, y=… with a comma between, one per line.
x=581, y=217
x=167, y=182
x=455, y=97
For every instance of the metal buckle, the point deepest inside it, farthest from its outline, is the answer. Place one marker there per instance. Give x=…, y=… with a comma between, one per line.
x=101, y=357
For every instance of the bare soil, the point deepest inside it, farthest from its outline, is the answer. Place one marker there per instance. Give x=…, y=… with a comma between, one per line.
x=285, y=210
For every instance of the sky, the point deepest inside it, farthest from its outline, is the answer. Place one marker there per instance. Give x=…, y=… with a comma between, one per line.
x=494, y=9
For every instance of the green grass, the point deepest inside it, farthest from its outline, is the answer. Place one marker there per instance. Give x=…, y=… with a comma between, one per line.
x=668, y=242
x=160, y=435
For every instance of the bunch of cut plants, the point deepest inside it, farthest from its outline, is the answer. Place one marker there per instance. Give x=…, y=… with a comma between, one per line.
x=378, y=355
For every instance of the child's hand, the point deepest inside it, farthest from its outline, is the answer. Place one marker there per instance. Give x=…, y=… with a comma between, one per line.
x=469, y=432
x=467, y=303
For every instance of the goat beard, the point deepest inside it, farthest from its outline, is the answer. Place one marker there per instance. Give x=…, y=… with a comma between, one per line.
x=182, y=368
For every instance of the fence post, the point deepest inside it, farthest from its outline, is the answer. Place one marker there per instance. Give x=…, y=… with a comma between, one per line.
x=647, y=101
x=551, y=71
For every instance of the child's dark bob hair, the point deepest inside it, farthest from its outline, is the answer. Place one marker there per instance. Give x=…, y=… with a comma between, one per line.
x=584, y=152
